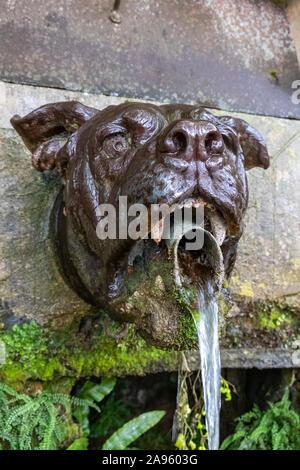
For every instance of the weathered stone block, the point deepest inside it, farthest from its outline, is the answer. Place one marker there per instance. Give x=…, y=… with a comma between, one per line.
x=259, y=330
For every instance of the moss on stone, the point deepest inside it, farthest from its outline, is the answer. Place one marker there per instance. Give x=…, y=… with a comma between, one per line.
x=271, y=316
x=188, y=332
x=38, y=353
x=162, y=268
x=56, y=358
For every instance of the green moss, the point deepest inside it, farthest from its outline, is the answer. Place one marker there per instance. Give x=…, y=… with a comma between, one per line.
x=106, y=357
x=188, y=333
x=38, y=353
x=273, y=316
x=140, y=276
x=223, y=305
x=57, y=358
x=25, y=350
x=273, y=74
x=186, y=300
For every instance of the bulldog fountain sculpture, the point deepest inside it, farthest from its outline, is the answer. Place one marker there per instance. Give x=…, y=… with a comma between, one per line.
x=177, y=155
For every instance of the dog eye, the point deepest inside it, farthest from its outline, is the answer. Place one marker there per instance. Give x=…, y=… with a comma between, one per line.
x=228, y=141
x=116, y=145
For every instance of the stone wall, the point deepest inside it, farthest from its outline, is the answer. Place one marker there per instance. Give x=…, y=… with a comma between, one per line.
x=259, y=330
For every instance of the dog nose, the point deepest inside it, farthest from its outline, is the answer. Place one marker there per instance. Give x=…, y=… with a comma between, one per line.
x=192, y=140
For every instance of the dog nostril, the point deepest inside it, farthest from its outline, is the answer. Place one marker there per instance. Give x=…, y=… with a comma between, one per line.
x=213, y=143
x=180, y=141
x=175, y=142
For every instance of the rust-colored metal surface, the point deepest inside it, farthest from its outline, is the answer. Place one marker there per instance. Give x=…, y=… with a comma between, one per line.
x=171, y=154
x=209, y=52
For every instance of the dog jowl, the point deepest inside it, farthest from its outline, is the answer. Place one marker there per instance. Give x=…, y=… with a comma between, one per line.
x=173, y=155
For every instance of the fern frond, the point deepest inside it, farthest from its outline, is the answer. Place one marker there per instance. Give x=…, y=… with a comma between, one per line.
x=48, y=443
x=277, y=428
x=35, y=423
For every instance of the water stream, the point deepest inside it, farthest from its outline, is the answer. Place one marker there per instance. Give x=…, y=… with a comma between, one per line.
x=206, y=321
x=203, y=267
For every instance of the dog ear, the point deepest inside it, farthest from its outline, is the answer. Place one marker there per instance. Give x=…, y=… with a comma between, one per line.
x=46, y=129
x=253, y=145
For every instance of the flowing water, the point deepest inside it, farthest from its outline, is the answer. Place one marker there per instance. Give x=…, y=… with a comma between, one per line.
x=204, y=268
x=175, y=417
x=206, y=321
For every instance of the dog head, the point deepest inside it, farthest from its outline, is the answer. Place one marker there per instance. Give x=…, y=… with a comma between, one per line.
x=176, y=155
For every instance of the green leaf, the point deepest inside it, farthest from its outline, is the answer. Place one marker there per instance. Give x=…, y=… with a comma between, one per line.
x=114, y=414
x=132, y=430
x=93, y=393
x=82, y=415
x=79, y=444
x=97, y=392
x=40, y=422
x=276, y=428
x=181, y=442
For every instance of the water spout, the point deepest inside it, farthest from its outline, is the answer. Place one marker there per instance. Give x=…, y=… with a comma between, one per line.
x=199, y=263
x=204, y=268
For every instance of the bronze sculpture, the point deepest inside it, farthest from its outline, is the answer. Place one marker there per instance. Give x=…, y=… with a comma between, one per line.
x=170, y=154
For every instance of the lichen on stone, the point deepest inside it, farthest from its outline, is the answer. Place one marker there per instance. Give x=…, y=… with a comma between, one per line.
x=41, y=353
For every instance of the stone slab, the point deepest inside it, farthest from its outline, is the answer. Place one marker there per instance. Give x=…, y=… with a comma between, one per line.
x=198, y=51
x=247, y=359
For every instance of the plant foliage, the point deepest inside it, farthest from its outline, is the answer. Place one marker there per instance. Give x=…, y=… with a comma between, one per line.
x=190, y=422
x=277, y=428
x=81, y=443
x=126, y=434
x=39, y=422
x=132, y=430
x=94, y=393
x=114, y=413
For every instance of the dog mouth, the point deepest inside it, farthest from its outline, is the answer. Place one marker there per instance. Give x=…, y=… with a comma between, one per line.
x=191, y=244
x=210, y=218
